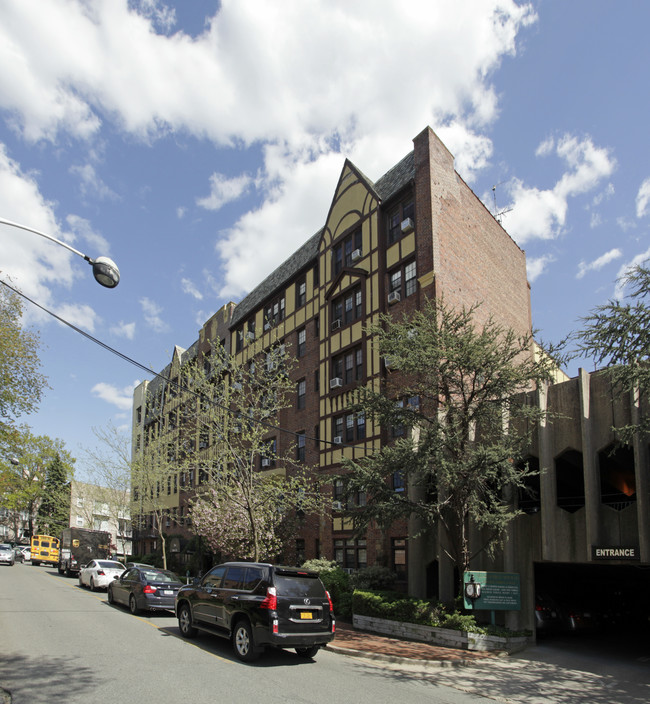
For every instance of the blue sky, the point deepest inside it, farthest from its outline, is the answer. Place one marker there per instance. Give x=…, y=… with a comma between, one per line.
x=198, y=145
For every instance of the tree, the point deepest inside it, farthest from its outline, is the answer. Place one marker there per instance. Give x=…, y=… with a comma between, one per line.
x=110, y=469
x=21, y=383
x=22, y=485
x=54, y=510
x=153, y=472
x=617, y=335
x=253, y=490
x=456, y=415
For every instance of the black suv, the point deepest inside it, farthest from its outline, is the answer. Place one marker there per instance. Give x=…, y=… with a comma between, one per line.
x=257, y=604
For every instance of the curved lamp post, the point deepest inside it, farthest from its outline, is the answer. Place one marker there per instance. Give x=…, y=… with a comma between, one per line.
x=105, y=270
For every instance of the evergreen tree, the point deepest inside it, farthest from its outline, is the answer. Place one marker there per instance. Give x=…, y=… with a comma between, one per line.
x=458, y=420
x=617, y=335
x=54, y=511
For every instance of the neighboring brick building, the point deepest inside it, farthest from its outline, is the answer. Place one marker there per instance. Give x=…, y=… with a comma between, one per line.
x=419, y=231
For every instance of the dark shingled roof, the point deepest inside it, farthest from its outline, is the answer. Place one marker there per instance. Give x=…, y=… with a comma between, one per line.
x=388, y=185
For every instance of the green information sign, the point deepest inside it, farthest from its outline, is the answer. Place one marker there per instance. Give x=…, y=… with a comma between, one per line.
x=492, y=591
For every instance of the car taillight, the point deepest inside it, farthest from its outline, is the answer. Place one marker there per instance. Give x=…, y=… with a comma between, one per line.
x=329, y=598
x=270, y=601
x=149, y=589
x=101, y=572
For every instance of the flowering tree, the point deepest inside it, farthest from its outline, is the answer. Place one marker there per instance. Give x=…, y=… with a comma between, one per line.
x=251, y=489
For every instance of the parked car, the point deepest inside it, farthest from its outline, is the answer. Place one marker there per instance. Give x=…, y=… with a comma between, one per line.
x=256, y=605
x=27, y=553
x=98, y=574
x=19, y=554
x=549, y=617
x=7, y=554
x=139, y=564
x=145, y=588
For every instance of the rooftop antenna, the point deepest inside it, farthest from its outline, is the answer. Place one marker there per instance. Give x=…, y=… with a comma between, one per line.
x=498, y=214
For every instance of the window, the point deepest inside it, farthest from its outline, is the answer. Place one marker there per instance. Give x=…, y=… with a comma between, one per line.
x=239, y=339
x=302, y=342
x=348, y=366
x=351, y=553
x=301, y=293
x=398, y=557
x=403, y=280
x=302, y=393
x=396, y=216
x=346, y=252
x=250, y=332
x=300, y=446
x=338, y=490
x=398, y=481
x=348, y=307
x=350, y=427
x=274, y=313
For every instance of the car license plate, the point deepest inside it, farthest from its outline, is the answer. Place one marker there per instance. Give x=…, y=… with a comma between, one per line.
x=308, y=615
x=168, y=592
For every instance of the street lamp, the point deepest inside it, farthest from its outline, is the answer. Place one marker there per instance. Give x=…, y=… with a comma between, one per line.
x=105, y=270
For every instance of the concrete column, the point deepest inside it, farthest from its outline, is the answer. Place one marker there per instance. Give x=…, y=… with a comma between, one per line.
x=642, y=477
x=547, y=485
x=589, y=464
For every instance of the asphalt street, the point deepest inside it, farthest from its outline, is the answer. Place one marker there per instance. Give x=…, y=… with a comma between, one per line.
x=59, y=642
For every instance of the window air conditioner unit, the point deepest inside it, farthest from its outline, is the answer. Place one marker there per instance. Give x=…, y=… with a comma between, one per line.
x=338, y=440
x=356, y=254
x=394, y=297
x=336, y=382
x=407, y=226
x=388, y=363
x=250, y=335
x=267, y=325
x=266, y=463
x=336, y=324
x=337, y=505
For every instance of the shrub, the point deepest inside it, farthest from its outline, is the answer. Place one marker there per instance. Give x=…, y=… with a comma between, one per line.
x=396, y=607
x=337, y=583
x=374, y=578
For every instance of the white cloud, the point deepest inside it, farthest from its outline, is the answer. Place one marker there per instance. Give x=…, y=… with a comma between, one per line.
x=643, y=199
x=536, y=266
x=256, y=74
x=599, y=263
x=152, y=315
x=122, y=398
x=33, y=263
x=78, y=314
x=224, y=190
x=126, y=330
x=190, y=288
x=84, y=230
x=541, y=214
x=91, y=183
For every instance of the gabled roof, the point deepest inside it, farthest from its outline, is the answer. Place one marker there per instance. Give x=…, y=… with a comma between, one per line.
x=277, y=279
x=393, y=181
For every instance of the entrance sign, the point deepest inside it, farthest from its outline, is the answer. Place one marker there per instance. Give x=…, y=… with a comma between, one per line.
x=615, y=552
x=497, y=591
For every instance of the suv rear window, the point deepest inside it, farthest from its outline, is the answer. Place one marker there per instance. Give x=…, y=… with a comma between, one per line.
x=298, y=585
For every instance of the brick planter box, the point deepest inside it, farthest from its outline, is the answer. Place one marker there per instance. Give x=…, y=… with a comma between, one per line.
x=446, y=637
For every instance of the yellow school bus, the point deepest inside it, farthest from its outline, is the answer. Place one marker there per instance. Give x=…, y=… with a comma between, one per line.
x=45, y=549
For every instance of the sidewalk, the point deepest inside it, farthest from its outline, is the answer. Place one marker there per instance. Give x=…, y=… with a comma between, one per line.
x=349, y=641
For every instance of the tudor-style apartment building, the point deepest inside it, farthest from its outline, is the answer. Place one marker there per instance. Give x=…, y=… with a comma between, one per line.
x=417, y=232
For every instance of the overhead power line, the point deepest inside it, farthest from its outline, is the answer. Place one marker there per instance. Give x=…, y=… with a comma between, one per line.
x=172, y=382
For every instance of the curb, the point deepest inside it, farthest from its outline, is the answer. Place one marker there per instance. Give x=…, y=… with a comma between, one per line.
x=394, y=659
